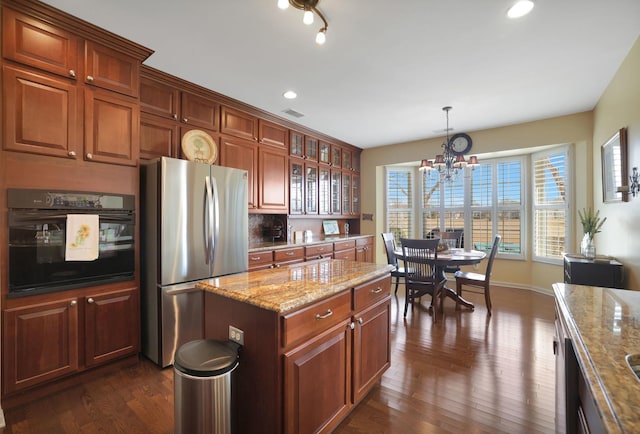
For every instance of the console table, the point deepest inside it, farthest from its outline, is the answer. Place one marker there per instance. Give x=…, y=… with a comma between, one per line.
x=601, y=271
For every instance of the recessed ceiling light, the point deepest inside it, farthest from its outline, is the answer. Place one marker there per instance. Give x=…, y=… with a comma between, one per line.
x=520, y=9
x=290, y=94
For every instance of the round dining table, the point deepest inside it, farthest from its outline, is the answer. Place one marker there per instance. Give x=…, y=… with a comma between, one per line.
x=453, y=258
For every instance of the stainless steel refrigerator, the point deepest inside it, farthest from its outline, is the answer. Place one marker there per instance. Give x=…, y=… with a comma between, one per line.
x=194, y=226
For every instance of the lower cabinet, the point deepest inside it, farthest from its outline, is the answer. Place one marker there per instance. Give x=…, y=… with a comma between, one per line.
x=364, y=249
x=46, y=341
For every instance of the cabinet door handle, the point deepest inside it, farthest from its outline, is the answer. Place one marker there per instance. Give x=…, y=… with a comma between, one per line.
x=555, y=347
x=90, y=300
x=72, y=73
x=360, y=320
x=175, y=116
x=90, y=78
x=378, y=290
x=185, y=120
x=89, y=156
x=352, y=325
x=71, y=153
x=325, y=315
x=73, y=303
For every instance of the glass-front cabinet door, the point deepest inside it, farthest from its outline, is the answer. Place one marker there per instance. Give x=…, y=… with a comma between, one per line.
x=296, y=187
x=311, y=148
x=346, y=193
x=311, y=189
x=355, y=199
x=296, y=144
x=346, y=159
x=324, y=153
x=336, y=156
x=324, y=190
x=336, y=179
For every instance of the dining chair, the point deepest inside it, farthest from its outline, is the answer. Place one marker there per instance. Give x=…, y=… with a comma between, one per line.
x=477, y=280
x=422, y=278
x=452, y=239
x=392, y=259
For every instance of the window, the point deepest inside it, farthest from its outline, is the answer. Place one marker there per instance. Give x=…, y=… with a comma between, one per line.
x=400, y=209
x=550, y=204
x=491, y=195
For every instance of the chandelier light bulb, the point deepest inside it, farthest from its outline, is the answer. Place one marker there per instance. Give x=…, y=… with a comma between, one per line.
x=283, y=4
x=307, y=17
x=321, y=37
x=520, y=9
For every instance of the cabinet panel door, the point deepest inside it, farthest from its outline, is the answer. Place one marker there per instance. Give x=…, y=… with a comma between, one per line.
x=346, y=193
x=112, y=328
x=34, y=43
x=371, y=348
x=311, y=189
x=296, y=188
x=40, y=344
x=158, y=98
x=336, y=191
x=324, y=190
x=317, y=382
x=273, y=179
x=199, y=111
x=111, y=69
x=158, y=137
x=112, y=125
x=296, y=144
x=273, y=134
x=239, y=124
x=40, y=113
x=242, y=154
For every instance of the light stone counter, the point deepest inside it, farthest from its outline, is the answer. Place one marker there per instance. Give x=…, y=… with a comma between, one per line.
x=604, y=325
x=290, y=287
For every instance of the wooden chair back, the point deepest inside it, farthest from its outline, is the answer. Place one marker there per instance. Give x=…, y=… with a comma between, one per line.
x=389, y=247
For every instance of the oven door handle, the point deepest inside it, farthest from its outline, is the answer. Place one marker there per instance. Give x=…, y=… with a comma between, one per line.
x=45, y=217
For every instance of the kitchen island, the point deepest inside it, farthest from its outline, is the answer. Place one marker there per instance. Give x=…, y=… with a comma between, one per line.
x=596, y=329
x=316, y=340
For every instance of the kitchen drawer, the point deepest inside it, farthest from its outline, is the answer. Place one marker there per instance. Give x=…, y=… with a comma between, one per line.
x=315, y=318
x=365, y=241
x=344, y=245
x=260, y=260
x=349, y=255
x=371, y=292
x=291, y=254
x=318, y=250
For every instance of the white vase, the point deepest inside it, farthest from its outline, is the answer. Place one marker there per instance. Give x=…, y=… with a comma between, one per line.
x=588, y=247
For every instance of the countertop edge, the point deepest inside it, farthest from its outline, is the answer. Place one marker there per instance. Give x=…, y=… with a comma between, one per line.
x=289, y=245
x=593, y=379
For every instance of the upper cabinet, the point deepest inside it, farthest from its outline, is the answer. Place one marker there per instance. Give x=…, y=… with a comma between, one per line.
x=273, y=134
x=239, y=124
x=199, y=111
x=77, y=86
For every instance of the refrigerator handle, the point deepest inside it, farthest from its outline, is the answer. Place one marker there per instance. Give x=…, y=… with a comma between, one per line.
x=208, y=220
x=216, y=218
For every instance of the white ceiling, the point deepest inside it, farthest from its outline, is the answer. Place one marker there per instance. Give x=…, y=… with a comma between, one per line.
x=388, y=67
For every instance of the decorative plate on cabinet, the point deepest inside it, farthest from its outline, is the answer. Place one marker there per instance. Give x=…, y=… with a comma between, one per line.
x=199, y=146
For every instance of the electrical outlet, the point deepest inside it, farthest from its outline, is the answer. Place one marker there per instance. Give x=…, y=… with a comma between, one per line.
x=236, y=335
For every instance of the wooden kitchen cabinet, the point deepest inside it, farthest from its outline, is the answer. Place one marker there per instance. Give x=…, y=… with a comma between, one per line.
x=158, y=137
x=324, y=190
x=336, y=192
x=318, y=251
x=71, y=71
x=345, y=249
x=199, y=111
x=45, y=341
x=238, y=123
x=242, y=154
x=296, y=186
x=296, y=144
x=317, y=387
x=41, y=113
x=364, y=249
x=112, y=125
x=41, y=343
x=273, y=179
x=310, y=188
x=273, y=134
x=111, y=326
x=346, y=193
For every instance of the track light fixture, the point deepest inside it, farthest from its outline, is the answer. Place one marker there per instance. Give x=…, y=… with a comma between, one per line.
x=310, y=8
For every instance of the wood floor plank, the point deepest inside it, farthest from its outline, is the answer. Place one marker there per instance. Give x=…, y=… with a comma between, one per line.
x=469, y=372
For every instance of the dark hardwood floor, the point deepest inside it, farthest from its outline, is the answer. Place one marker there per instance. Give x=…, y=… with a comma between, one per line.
x=467, y=373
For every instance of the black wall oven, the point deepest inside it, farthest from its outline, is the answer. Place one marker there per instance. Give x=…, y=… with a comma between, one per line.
x=38, y=234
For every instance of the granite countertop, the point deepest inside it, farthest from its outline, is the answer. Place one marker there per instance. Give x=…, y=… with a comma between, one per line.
x=286, y=288
x=319, y=239
x=604, y=325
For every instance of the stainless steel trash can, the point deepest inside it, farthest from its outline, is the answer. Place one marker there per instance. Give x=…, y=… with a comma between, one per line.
x=202, y=386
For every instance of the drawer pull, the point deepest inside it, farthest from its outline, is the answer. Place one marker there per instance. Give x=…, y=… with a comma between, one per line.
x=378, y=290
x=289, y=253
x=256, y=258
x=325, y=315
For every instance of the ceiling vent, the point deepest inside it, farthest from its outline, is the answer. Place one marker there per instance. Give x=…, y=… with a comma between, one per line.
x=293, y=113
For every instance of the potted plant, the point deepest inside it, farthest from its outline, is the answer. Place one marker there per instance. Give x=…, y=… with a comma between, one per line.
x=591, y=225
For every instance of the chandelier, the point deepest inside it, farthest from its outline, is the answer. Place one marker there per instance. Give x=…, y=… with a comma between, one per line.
x=451, y=162
x=309, y=7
